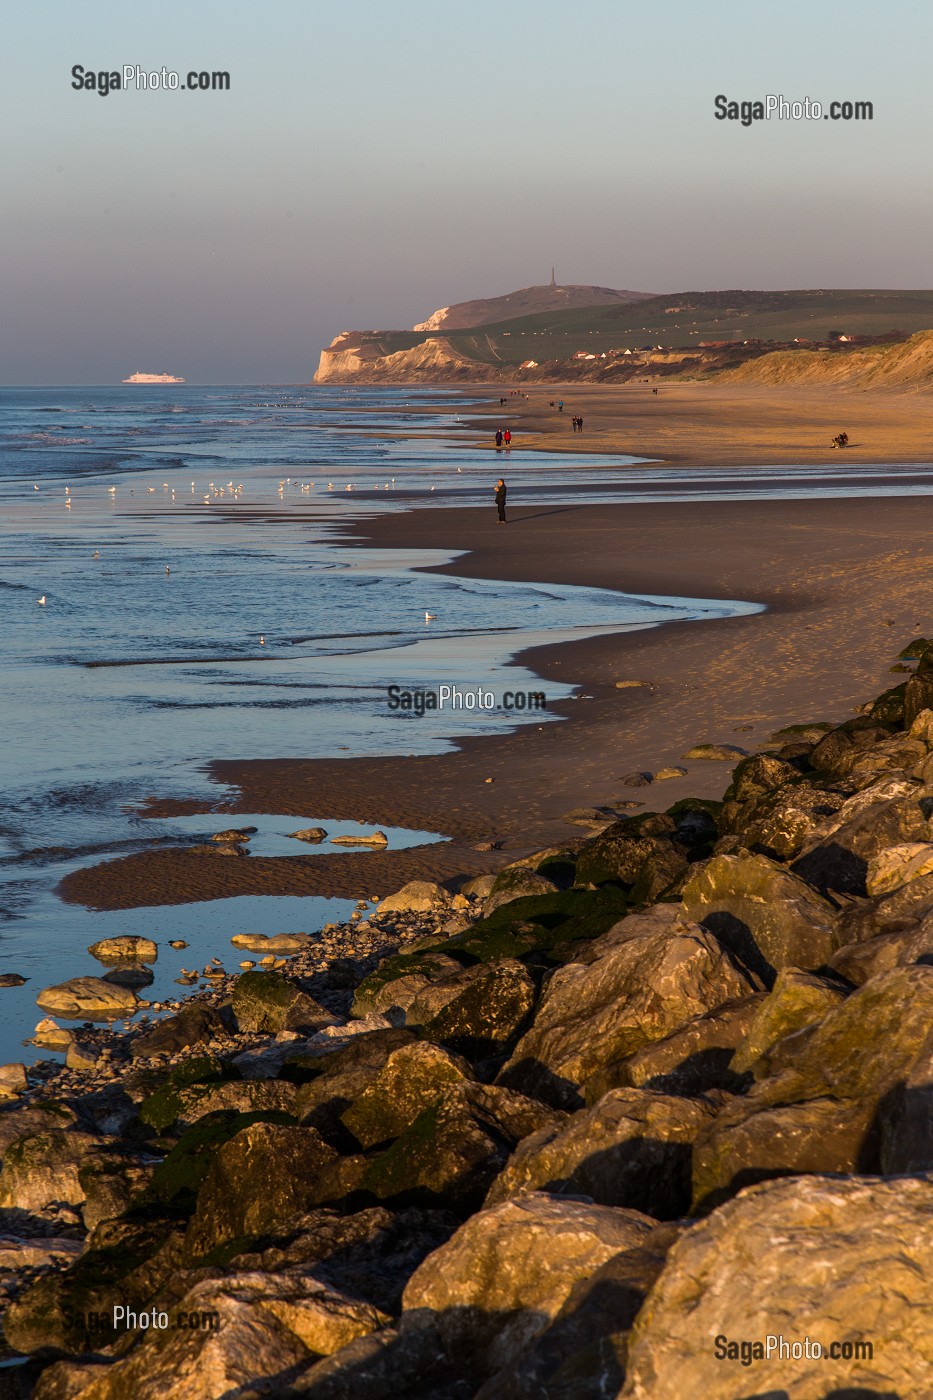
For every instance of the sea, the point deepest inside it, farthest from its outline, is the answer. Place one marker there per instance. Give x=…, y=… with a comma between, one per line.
x=180, y=582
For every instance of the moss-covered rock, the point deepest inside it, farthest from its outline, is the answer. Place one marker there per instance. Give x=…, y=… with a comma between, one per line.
x=455, y=1147
x=398, y=980
x=796, y=1000
x=861, y=1049
x=757, y=775
x=477, y=1010
x=267, y=1001
x=183, y=1107
x=781, y=823
x=176, y=1180
x=340, y=1077
x=161, y=1106
x=516, y=882
x=767, y=916
x=889, y=707
x=835, y=751
x=257, y=1181
x=413, y=1078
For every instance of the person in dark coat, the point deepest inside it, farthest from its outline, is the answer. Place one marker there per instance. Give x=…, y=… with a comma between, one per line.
x=501, y=490
x=498, y=438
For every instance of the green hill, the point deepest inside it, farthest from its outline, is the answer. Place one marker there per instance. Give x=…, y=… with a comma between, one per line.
x=681, y=321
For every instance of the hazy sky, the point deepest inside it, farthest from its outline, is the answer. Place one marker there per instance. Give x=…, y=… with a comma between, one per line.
x=376, y=159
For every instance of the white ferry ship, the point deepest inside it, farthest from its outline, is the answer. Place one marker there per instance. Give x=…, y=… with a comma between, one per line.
x=163, y=378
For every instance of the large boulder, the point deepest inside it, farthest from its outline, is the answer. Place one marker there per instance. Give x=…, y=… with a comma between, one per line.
x=898, y=865
x=515, y=882
x=691, y=1060
x=767, y=916
x=749, y=1141
x=329, y=1083
x=632, y=1148
x=506, y=1273
x=454, y=1149
x=860, y=1050
x=267, y=1001
x=478, y=1009
x=45, y=1168
x=88, y=999
x=643, y=859
x=797, y=999
x=417, y=897
x=639, y=991
x=258, y=1180
x=887, y=913
x=581, y=1354
x=859, y=962
x=21, y=1120
x=413, y=1078
x=185, y=1105
x=192, y=1025
x=885, y=814
x=781, y=823
x=393, y=986
x=837, y=750
x=844, y=1262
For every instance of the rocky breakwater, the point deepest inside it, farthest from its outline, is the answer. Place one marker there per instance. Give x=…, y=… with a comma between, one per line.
x=601, y=1124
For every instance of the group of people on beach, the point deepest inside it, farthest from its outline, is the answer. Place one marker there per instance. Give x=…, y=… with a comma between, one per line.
x=577, y=424
x=503, y=439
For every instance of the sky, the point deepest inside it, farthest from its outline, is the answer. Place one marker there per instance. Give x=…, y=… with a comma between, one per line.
x=375, y=160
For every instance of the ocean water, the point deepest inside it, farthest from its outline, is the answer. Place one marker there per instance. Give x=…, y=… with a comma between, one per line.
x=199, y=604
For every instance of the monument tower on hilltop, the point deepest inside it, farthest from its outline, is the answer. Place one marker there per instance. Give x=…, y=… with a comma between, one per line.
x=553, y=282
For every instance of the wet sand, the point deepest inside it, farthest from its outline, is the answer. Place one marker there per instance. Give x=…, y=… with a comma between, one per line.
x=846, y=585
x=714, y=423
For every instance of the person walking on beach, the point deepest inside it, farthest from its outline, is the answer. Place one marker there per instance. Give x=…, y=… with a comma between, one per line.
x=507, y=437
x=560, y=405
x=501, y=489
x=579, y=425
x=498, y=438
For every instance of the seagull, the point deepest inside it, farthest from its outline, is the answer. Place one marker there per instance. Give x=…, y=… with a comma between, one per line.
x=34, y=487
x=41, y=601
x=96, y=554
x=430, y=617
x=167, y=569
x=262, y=641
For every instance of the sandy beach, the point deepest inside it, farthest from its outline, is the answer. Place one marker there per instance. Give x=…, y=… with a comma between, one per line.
x=845, y=584
x=718, y=423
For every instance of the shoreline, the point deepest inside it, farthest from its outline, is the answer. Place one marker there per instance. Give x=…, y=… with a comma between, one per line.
x=836, y=569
